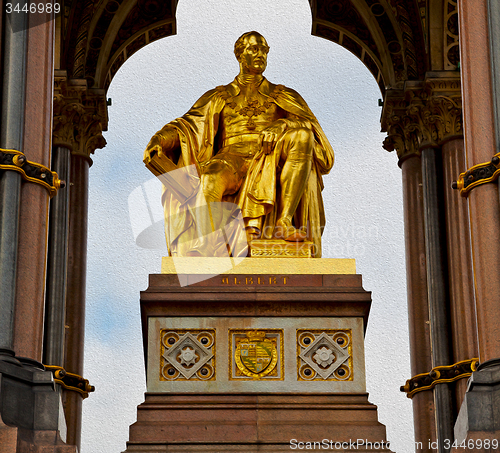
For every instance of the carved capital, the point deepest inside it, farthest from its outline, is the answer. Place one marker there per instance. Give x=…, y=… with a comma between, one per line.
x=442, y=119
x=68, y=108
x=80, y=116
x=425, y=114
x=400, y=128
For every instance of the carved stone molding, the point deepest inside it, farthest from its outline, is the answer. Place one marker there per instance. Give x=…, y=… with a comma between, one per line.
x=80, y=116
x=423, y=115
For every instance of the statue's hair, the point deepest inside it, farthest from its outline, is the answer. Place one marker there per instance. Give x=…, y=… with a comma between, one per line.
x=239, y=45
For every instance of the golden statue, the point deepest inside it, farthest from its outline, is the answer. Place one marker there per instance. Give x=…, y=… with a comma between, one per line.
x=244, y=164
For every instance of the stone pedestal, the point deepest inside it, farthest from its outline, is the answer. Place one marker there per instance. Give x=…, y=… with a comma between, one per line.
x=478, y=423
x=264, y=356
x=31, y=413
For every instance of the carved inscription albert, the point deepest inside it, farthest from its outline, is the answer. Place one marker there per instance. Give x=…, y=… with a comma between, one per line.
x=252, y=280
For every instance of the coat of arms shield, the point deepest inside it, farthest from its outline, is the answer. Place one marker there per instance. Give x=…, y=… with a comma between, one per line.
x=256, y=355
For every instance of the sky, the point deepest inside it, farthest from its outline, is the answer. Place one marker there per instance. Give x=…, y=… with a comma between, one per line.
x=362, y=197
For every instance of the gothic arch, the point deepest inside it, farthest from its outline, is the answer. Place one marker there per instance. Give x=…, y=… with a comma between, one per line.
x=101, y=35
x=386, y=35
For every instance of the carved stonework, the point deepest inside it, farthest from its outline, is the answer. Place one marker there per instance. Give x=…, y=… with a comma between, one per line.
x=80, y=116
x=424, y=115
x=399, y=126
x=324, y=355
x=80, y=44
x=187, y=354
x=256, y=354
x=407, y=17
x=452, y=55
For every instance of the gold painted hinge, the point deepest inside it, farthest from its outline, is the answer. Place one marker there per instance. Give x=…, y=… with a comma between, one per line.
x=439, y=375
x=11, y=159
x=71, y=381
x=477, y=175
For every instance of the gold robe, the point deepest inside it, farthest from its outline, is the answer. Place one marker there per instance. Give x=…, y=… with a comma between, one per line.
x=257, y=196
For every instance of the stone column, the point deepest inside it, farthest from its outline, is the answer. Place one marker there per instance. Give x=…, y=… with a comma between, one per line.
x=438, y=114
x=402, y=140
x=55, y=308
x=86, y=111
x=420, y=119
x=11, y=137
x=460, y=277
x=479, y=51
x=480, y=146
x=416, y=283
x=28, y=403
x=68, y=109
x=33, y=222
x=76, y=287
x=437, y=290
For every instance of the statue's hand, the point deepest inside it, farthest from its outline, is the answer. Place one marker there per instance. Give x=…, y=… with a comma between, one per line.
x=162, y=143
x=270, y=135
x=154, y=147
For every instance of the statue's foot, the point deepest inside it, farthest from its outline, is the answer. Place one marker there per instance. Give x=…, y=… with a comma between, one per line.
x=285, y=230
x=252, y=234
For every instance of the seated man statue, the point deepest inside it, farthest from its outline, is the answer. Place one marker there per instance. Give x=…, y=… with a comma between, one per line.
x=252, y=143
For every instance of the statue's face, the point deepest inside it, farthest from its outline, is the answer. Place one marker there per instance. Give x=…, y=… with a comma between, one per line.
x=254, y=58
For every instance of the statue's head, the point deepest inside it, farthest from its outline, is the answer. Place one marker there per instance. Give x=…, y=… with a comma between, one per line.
x=251, y=51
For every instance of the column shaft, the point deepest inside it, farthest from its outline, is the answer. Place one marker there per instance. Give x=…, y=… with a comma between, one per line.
x=57, y=261
x=75, y=294
x=33, y=223
x=460, y=277
x=437, y=289
x=11, y=137
x=480, y=146
x=418, y=308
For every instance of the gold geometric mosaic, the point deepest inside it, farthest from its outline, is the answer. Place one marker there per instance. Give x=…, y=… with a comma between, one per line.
x=324, y=355
x=187, y=354
x=256, y=354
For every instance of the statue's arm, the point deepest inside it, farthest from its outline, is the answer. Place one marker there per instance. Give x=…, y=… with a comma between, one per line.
x=164, y=148
x=165, y=142
x=274, y=131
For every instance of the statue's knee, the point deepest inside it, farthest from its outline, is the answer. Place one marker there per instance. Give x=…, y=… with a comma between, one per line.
x=302, y=136
x=210, y=184
x=301, y=144
x=213, y=167
x=217, y=180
